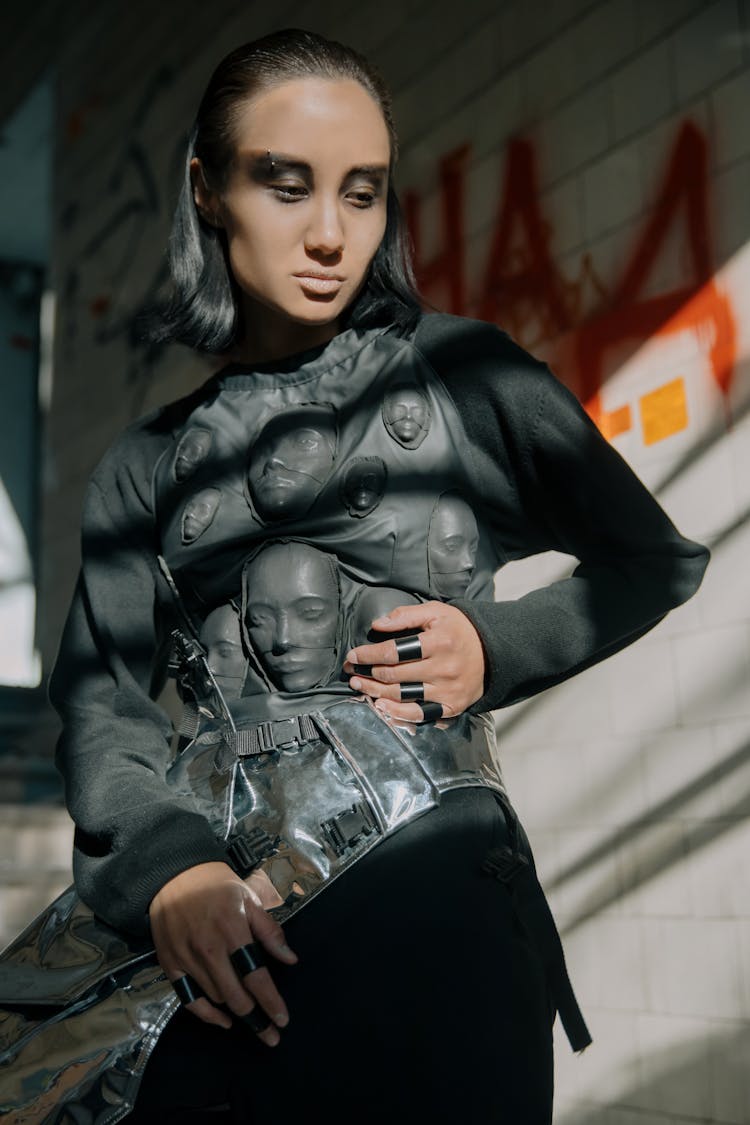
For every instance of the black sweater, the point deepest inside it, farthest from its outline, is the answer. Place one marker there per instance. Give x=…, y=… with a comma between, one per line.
x=546, y=479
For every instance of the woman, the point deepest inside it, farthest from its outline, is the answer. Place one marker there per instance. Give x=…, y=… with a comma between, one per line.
x=320, y=522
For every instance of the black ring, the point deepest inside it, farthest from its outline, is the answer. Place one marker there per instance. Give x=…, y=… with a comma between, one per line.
x=412, y=693
x=408, y=648
x=187, y=989
x=431, y=712
x=256, y=1019
x=247, y=959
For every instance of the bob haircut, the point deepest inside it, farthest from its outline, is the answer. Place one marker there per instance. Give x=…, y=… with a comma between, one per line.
x=203, y=310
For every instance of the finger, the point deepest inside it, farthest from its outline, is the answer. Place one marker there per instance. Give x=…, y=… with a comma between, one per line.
x=359, y=659
x=409, y=673
x=414, y=617
x=406, y=712
x=413, y=712
x=259, y=983
x=377, y=690
x=186, y=987
x=268, y=931
x=242, y=1003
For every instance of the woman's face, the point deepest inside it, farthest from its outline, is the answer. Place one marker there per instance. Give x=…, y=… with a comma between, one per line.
x=315, y=206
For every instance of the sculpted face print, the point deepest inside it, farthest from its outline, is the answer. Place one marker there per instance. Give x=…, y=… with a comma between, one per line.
x=406, y=414
x=364, y=485
x=198, y=513
x=292, y=609
x=372, y=602
x=291, y=461
x=451, y=546
x=220, y=636
x=193, y=448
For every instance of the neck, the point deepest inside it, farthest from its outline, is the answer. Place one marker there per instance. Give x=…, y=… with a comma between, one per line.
x=268, y=336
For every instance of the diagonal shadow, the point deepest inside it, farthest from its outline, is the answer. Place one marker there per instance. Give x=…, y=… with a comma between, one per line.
x=664, y=854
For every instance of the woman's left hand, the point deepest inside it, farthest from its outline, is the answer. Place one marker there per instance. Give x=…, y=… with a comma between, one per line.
x=451, y=667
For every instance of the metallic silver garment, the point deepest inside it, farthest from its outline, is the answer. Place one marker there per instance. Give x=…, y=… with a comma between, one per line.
x=293, y=508
x=322, y=804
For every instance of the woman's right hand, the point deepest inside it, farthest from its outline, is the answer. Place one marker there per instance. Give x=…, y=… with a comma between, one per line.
x=198, y=919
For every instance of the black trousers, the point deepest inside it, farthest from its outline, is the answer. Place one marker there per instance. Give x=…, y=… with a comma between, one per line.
x=417, y=997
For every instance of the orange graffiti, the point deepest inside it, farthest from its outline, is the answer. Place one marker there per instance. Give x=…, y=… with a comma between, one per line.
x=523, y=289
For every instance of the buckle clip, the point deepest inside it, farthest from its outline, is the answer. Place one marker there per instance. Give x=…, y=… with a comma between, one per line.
x=244, y=853
x=503, y=863
x=345, y=830
x=282, y=740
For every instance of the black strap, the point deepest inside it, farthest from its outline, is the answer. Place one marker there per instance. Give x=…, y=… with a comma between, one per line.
x=516, y=870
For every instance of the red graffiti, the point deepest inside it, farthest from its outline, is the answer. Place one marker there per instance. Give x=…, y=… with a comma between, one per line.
x=523, y=289
x=444, y=276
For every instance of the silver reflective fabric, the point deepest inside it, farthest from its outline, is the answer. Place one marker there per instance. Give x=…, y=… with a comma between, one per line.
x=84, y=1008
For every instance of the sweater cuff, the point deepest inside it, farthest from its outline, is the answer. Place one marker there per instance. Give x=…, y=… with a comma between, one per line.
x=119, y=886
x=476, y=613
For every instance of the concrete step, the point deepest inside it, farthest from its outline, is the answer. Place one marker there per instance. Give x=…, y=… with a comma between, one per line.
x=35, y=862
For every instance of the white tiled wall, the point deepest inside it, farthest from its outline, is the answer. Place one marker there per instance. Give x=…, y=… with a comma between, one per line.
x=633, y=779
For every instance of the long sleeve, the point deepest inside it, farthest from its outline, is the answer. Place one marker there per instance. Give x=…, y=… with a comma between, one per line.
x=132, y=833
x=547, y=480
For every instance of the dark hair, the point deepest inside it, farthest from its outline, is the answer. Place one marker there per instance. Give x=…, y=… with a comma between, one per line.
x=203, y=310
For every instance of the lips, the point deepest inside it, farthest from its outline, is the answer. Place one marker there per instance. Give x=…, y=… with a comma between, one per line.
x=320, y=282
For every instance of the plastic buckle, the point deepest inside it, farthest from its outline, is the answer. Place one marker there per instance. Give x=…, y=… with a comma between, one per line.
x=293, y=739
x=503, y=863
x=246, y=852
x=347, y=828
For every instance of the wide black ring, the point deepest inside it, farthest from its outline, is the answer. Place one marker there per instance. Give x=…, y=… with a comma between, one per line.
x=431, y=712
x=408, y=648
x=257, y=1019
x=187, y=989
x=412, y=693
x=247, y=959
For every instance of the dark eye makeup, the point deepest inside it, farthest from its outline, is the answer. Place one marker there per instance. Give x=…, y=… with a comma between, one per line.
x=273, y=168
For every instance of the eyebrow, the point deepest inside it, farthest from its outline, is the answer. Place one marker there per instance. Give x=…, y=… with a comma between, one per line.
x=286, y=163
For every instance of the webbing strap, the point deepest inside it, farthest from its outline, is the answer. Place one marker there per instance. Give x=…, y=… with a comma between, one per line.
x=273, y=735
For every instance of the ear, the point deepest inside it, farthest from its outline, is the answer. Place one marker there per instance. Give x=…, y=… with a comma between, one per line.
x=207, y=201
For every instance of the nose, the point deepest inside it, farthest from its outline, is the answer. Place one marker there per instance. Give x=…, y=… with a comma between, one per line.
x=282, y=639
x=325, y=232
x=466, y=558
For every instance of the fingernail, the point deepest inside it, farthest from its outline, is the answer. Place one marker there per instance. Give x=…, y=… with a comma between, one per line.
x=288, y=952
x=383, y=620
x=382, y=706
x=351, y=657
x=355, y=684
x=281, y=1019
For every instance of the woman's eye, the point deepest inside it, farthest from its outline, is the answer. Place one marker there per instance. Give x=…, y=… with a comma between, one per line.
x=289, y=193
x=362, y=198
x=257, y=619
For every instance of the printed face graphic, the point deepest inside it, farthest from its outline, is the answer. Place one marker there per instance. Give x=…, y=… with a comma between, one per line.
x=451, y=546
x=220, y=636
x=193, y=448
x=364, y=485
x=198, y=513
x=292, y=614
x=406, y=415
x=376, y=601
x=291, y=461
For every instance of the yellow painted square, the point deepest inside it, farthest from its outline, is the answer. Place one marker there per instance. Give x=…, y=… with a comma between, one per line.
x=616, y=422
x=664, y=411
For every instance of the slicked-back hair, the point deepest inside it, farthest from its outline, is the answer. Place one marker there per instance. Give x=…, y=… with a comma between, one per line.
x=203, y=310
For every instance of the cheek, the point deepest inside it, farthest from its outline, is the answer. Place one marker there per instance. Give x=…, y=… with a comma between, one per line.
x=365, y=237
x=262, y=637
